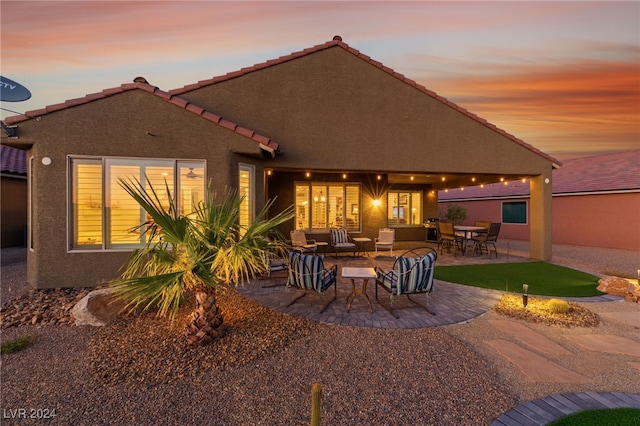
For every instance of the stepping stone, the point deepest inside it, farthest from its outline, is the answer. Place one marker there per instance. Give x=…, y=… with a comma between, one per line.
x=529, y=337
x=537, y=368
x=627, y=317
x=607, y=343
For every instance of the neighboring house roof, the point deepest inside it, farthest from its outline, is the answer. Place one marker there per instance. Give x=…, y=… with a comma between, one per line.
x=140, y=83
x=337, y=41
x=615, y=172
x=13, y=161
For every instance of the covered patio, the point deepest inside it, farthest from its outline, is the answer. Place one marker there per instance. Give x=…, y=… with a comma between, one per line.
x=451, y=303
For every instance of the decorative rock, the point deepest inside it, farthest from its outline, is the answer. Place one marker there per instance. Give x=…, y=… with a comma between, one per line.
x=634, y=290
x=619, y=286
x=98, y=308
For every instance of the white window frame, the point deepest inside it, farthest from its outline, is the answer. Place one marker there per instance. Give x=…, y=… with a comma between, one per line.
x=251, y=195
x=346, y=206
x=105, y=162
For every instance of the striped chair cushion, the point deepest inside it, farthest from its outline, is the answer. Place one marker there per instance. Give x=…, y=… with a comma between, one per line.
x=388, y=279
x=414, y=274
x=308, y=272
x=339, y=236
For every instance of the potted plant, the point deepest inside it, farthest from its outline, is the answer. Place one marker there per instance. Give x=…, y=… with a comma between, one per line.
x=456, y=214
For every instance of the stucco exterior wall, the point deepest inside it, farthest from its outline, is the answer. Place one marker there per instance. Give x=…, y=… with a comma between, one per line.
x=604, y=220
x=596, y=220
x=114, y=126
x=332, y=110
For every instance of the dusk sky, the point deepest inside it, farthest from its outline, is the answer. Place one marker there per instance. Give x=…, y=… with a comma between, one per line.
x=562, y=76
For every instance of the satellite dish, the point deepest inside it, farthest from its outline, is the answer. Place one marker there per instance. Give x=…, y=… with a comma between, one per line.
x=10, y=91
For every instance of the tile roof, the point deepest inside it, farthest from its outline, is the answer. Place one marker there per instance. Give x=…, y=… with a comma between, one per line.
x=140, y=83
x=618, y=171
x=337, y=41
x=13, y=161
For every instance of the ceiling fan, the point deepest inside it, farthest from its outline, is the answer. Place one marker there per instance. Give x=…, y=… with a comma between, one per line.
x=191, y=174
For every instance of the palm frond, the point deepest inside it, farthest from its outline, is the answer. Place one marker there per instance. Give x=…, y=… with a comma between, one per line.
x=164, y=292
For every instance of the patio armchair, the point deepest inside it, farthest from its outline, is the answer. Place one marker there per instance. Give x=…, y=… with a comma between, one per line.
x=308, y=273
x=386, y=238
x=412, y=273
x=447, y=237
x=341, y=241
x=275, y=259
x=301, y=243
x=482, y=241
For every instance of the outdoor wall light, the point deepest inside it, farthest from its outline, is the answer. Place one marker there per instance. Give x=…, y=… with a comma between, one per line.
x=46, y=161
x=376, y=202
x=525, y=294
x=308, y=174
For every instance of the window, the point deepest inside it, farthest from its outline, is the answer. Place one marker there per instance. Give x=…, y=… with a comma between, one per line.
x=245, y=186
x=327, y=205
x=514, y=212
x=404, y=208
x=103, y=216
x=30, y=211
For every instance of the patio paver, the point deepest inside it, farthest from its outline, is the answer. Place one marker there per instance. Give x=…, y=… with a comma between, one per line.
x=544, y=410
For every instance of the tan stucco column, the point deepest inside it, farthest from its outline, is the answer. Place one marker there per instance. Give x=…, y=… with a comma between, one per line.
x=430, y=204
x=540, y=217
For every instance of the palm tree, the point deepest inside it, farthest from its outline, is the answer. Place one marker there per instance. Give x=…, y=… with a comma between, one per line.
x=194, y=254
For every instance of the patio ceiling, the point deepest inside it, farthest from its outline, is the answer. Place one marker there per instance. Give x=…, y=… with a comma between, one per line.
x=437, y=181
x=440, y=181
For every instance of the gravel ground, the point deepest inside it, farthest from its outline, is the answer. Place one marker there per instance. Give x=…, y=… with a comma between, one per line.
x=138, y=370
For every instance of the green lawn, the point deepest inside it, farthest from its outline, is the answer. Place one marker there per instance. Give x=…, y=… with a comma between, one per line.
x=544, y=279
x=614, y=416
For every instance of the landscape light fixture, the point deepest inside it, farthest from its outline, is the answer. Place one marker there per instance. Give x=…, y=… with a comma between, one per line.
x=525, y=294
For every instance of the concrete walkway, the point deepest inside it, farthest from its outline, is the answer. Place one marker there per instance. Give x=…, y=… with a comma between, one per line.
x=527, y=349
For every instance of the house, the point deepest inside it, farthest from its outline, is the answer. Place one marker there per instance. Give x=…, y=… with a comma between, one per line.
x=596, y=202
x=344, y=138
x=13, y=193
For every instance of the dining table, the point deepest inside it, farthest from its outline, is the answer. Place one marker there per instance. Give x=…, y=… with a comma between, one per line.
x=466, y=232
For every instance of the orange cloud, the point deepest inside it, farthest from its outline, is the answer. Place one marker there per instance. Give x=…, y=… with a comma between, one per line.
x=585, y=105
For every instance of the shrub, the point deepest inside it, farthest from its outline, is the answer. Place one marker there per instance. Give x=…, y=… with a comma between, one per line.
x=16, y=345
x=558, y=306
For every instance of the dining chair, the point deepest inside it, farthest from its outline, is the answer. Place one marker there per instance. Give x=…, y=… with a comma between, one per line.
x=449, y=238
x=482, y=241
